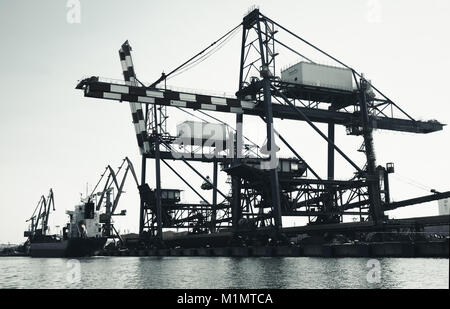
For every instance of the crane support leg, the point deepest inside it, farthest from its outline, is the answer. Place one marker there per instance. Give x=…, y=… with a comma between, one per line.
x=236, y=210
x=214, y=198
x=331, y=151
x=158, y=175
x=271, y=147
x=372, y=176
x=142, y=204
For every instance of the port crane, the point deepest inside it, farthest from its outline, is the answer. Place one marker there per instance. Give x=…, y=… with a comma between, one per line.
x=39, y=218
x=262, y=193
x=111, y=181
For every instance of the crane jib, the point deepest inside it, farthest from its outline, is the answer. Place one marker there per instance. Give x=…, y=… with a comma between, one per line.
x=169, y=98
x=105, y=90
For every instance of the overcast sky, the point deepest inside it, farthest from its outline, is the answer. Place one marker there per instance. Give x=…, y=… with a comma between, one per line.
x=53, y=137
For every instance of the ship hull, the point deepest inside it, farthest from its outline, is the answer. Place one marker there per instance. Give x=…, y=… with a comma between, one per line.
x=74, y=247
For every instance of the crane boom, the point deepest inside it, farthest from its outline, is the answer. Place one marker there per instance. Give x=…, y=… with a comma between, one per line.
x=95, y=88
x=136, y=109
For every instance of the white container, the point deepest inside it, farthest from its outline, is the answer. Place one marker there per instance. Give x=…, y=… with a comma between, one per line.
x=310, y=74
x=202, y=131
x=444, y=206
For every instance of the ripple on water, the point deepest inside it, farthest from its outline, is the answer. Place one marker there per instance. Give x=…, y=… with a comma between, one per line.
x=221, y=273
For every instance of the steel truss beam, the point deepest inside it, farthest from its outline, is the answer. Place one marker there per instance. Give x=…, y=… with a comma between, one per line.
x=95, y=88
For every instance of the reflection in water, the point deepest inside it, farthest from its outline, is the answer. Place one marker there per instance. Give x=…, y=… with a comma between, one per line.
x=222, y=272
x=266, y=272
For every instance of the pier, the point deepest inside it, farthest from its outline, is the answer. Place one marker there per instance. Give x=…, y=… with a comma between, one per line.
x=435, y=249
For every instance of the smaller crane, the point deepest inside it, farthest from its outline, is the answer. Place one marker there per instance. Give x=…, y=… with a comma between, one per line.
x=106, y=196
x=39, y=218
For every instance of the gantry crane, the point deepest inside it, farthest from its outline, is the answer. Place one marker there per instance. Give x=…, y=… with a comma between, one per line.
x=262, y=193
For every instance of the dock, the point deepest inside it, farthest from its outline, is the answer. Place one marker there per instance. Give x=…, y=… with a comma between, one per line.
x=428, y=249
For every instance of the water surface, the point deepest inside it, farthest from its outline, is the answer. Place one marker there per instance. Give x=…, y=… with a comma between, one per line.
x=223, y=272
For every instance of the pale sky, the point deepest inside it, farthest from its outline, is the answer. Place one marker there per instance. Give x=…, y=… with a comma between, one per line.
x=53, y=137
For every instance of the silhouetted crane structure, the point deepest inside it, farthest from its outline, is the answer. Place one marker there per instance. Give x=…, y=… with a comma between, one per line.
x=264, y=188
x=107, y=193
x=39, y=219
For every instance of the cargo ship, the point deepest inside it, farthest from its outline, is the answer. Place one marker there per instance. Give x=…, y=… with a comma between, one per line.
x=82, y=236
x=73, y=247
x=90, y=222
